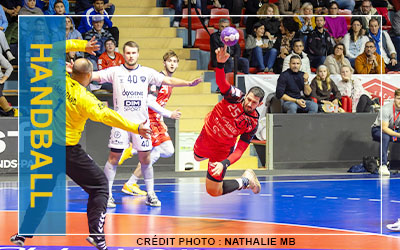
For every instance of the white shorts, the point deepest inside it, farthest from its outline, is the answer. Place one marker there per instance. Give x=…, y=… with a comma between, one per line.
x=119, y=139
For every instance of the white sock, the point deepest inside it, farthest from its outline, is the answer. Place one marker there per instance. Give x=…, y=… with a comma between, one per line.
x=148, y=175
x=110, y=171
x=133, y=180
x=240, y=181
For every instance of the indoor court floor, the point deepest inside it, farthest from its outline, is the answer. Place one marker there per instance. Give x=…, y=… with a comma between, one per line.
x=291, y=212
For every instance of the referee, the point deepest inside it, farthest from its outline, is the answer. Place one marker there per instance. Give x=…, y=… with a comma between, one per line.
x=80, y=167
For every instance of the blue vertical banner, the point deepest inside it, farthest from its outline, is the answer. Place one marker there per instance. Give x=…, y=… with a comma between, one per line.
x=42, y=190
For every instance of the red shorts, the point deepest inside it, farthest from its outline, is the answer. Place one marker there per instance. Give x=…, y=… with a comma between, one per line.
x=208, y=147
x=159, y=134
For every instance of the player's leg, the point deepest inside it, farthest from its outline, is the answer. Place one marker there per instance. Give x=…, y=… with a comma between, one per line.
x=119, y=139
x=85, y=172
x=131, y=187
x=148, y=175
x=166, y=149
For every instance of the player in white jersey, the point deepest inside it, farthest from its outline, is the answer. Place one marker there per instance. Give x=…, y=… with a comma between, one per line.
x=130, y=88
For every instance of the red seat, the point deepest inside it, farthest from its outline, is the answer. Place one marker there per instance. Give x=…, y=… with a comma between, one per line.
x=344, y=12
x=242, y=42
x=216, y=14
x=385, y=14
x=242, y=24
x=253, y=70
x=230, y=77
x=196, y=23
x=203, y=39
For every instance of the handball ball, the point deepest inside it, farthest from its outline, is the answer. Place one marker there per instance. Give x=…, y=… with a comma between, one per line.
x=229, y=36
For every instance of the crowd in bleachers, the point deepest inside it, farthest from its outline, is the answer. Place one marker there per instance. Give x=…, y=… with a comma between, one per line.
x=347, y=38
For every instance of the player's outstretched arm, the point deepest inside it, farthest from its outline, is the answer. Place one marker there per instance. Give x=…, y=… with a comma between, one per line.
x=152, y=102
x=176, y=82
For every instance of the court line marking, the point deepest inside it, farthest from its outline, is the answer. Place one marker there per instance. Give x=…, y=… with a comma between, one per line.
x=351, y=232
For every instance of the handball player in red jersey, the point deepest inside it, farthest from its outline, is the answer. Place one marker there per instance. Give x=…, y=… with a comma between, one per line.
x=234, y=116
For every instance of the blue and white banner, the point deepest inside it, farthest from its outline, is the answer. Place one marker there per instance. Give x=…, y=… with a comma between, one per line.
x=42, y=190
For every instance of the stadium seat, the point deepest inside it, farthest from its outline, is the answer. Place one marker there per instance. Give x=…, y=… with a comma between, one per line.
x=344, y=12
x=242, y=42
x=242, y=24
x=216, y=14
x=385, y=14
x=230, y=77
x=203, y=39
x=196, y=23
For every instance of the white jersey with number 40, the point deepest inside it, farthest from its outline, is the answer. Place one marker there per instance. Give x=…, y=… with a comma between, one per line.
x=130, y=89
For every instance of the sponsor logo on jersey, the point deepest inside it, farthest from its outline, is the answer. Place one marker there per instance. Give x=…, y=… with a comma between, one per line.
x=132, y=93
x=132, y=105
x=143, y=78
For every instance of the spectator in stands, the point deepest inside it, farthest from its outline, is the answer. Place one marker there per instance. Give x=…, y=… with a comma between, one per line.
x=369, y=62
x=178, y=5
x=283, y=44
x=234, y=51
x=324, y=90
x=5, y=108
x=234, y=6
x=335, y=25
x=298, y=49
x=101, y=36
x=82, y=5
x=98, y=9
x=291, y=86
x=320, y=6
x=367, y=11
x=346, y=4
x=335, y=61
x=260, y=54
x=251, y=8
x=3, y=40
x=289, y=7
x=351, y=87
x=319, y=43
x=395, y=32
x=11, y=8
x=271, y=23
x=387, y=129
x=30, y=8
x=354, y=41
x=387, y=51
x=307, y=22
x=72, y=33
x=110, y=57
x=59, y=8
x=56, y=7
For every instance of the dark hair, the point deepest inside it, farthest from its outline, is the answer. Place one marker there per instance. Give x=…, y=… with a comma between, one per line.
x=256, y=26
x=397, y=92
x=333, y=3
x=295, y=57
x=58, y=1
x=94, y=1
x=290, y=24
x=110, y=39
x=340, y=44
x=373, y=19
x=296, y=40
x=131, y=44
x=351, y=31
x=258, y=92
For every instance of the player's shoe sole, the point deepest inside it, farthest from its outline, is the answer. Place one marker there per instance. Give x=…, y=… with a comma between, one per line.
x=99, y=245
x=133, y=189
x=254, y=184
x=18, y=240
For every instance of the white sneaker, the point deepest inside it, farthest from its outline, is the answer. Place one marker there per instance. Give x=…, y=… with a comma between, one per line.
x=395, y=226
x=152, y=200
x=175, y=24
x=383, y=170
x=111, y=202
x=254, y=184
x=10, y=56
